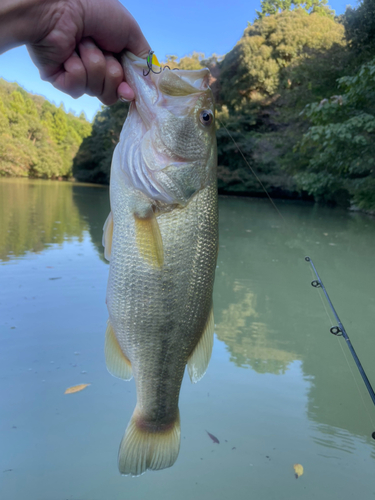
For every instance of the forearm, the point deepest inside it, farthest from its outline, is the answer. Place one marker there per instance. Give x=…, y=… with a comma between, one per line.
x=20, y=21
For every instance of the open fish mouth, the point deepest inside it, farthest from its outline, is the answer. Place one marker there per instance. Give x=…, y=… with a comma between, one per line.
x=180, y=82
x=170, y=140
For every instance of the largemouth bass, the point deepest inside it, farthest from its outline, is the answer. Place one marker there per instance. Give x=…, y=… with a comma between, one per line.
x=161, y=238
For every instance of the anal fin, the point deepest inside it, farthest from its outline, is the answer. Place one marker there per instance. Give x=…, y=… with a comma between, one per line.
x=198, y=360
x=149, y=240
x=107, y=236
x=117, y=363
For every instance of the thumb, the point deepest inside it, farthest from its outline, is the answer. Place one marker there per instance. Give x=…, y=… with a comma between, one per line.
x=113, y=28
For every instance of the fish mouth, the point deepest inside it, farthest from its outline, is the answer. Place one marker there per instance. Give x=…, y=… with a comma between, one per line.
x=175, y=91
x=158, y=160
x=176, y=82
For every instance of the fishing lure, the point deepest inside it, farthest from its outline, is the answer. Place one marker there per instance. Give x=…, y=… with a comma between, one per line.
x=152, y=61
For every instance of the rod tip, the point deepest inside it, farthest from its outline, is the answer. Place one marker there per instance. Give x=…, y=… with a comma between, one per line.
x=373, y=435
x=307, y=259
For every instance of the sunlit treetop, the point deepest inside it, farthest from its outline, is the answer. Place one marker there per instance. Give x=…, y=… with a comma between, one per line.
x=269, y=7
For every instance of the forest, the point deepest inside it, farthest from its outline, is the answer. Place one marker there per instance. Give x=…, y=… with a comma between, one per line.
x=37, y=139
x=295, y=96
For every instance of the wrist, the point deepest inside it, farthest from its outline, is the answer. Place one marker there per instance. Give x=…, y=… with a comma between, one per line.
x=20, y=21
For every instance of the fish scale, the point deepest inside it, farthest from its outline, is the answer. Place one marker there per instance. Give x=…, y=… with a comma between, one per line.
x=188, y=246
x=161, y=238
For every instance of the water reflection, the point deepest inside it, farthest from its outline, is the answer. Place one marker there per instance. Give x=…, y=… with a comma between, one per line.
x=93, y=205
x=36, y=214
x=248, y=339
x=267, y=316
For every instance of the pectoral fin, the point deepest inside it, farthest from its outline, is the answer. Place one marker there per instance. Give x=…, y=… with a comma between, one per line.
x=107, y=236
x=149, y=240
x=117, y=363
x=198, y=361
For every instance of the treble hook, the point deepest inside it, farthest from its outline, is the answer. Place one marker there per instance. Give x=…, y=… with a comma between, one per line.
x=149, y=64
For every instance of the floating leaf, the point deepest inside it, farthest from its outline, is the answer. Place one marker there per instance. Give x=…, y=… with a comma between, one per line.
x=76, y=388
x=298, y=470
x=214, y=438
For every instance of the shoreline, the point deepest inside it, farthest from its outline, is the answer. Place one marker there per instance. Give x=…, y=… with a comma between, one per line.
x=222, y=193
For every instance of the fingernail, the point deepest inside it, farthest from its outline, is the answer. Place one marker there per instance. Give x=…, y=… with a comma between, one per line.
x=122, y=99
x=88, y=43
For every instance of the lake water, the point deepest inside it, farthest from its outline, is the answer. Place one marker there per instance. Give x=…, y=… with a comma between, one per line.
x=280, y=389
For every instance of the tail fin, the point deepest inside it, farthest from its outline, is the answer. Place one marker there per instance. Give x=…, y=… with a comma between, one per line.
x=143, y=449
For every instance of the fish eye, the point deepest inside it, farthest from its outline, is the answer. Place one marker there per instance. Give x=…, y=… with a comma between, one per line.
x=206, y=117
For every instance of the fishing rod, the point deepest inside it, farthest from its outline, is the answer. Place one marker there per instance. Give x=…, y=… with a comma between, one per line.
x=340, y=331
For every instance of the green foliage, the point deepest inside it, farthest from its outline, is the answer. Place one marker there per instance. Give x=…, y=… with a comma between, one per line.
x=254, y=68
x=334, y=159
x=291, y=56
x=360, y=29
x=339, y=146
x=37, y=139
x=193, y=61
x=281, y=63
x=271, y=7
x=4, y=122
x=93, y=160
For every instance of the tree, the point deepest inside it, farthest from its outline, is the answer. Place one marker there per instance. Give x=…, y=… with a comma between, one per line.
x=36, y=138
x=192, y=61
x=290, y=57
x=360, y=30
x=92, y=162
x=4, y=122
x=253, y=69
x=271, y=7
x=282, y=62
x=339, y=146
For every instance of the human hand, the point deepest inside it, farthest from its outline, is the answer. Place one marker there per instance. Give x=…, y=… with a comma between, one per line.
x=73, y=42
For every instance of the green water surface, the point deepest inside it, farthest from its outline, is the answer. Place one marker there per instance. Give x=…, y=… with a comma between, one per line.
x=280, y=389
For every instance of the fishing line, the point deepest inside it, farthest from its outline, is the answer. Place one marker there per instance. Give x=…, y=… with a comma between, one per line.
x=336, y=330
x=331, y=322
x=287, y=226
x=253, y=172
x=358, y=388
x=323, y=302
x=340, y=331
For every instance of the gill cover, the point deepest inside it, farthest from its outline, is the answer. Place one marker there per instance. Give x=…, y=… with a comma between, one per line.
x=164, y=150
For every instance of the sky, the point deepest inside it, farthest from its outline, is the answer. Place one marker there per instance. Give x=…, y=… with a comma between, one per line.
x=170, y=26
